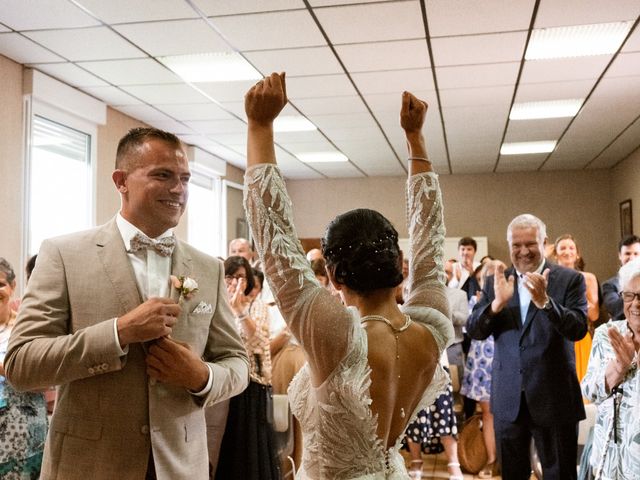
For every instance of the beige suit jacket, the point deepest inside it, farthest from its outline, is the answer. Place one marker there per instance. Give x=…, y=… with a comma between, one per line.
x=109, y=414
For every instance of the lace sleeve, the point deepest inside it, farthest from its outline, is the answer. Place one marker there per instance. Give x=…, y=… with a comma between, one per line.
x=318, y=320
x=426, y=239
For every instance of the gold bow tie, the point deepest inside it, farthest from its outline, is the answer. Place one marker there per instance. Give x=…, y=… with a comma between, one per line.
x=163, y=247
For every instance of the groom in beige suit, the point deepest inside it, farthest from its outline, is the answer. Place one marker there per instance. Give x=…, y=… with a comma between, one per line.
x=135, y=363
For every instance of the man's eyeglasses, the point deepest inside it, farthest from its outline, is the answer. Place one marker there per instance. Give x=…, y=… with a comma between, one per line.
x=231, y=278
x=629, y=296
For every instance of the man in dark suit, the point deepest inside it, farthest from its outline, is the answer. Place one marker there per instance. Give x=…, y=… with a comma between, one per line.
x=628, y=249
x=535, y=312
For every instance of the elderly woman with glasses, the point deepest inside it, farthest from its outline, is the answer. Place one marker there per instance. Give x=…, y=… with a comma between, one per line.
x=613, y=383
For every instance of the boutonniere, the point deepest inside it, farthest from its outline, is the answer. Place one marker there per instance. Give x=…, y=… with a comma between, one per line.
x=185, y=286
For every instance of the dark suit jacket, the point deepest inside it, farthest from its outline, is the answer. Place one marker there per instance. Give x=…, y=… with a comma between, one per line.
x=611, y=297
x=536, y=358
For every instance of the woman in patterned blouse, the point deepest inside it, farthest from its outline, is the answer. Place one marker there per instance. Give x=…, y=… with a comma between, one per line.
x=613, y=383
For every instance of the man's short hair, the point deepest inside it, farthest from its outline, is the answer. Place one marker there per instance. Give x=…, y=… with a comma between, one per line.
x=627, y=241
x=126, y=155
x=468, y=242
x=526, y=220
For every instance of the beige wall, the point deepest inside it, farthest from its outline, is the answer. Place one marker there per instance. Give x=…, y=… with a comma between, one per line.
x=11, y=164
x=577, y=202
x=625, y=184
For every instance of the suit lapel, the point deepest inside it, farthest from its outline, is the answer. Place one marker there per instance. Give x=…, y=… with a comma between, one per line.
x=116, y=264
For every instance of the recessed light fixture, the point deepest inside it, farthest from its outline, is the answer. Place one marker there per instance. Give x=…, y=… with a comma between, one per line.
x=322, y=157
x=546, y=109
x=211, y=67
x=293, y=123
x=577, y=40
x=523, y=148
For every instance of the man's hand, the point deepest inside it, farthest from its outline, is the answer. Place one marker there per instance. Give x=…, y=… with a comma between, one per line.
x=502, y=287
x=173, y=362
x=412, y=113
x=266, y=99
x=152, y=319
x=537, y=285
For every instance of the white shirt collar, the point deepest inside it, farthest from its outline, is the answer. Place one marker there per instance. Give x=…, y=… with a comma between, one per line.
x=128, y=230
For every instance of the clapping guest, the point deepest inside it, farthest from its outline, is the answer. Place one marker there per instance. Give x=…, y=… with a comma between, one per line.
x=567, y=254
x=613, y=383
x=23, y=416
x=248, y=418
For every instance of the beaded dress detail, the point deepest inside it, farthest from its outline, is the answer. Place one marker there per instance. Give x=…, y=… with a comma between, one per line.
x=339, y=427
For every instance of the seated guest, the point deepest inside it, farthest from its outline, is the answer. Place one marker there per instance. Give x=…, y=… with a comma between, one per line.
x=613, y=383
x=319, y=267
x=628, y=249
x=23, y=416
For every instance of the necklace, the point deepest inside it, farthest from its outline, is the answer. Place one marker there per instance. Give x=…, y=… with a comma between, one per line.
x=396, y=332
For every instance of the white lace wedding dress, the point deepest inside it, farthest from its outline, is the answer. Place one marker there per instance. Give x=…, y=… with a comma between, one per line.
x=339, y=428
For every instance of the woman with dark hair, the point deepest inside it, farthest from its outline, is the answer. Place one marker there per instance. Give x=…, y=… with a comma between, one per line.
x=23, y=415
x=371, y=365
x=248, y=419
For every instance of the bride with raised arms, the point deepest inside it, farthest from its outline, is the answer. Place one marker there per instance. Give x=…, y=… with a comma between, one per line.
x=371, y=365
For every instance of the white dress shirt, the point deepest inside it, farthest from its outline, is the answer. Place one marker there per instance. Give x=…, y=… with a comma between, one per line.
x=524, y=294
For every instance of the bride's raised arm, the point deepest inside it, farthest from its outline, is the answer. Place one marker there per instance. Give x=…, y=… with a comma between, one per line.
x=425, y=222
x=317, y=319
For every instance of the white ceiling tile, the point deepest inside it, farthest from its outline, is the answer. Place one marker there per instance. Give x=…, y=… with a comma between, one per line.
x=526, y=163
x=396, y=55
x=97, y=43
x=389, y=170
x=70, y=74
x=121, y=11
x=532, y=92
x=170, y=93
x=308, y=147
x=195, y=111
x=212, y=127
x=287, y=138
x=479, y=49
x=338, y=170
x=145, y=113
x=564, y=69
x=468, y=125
x=319, y=86
x=617, y=94
x=625, y=64
x=226, y=91
x=4, y=29
x=176, y=37
x=343, y=121
x=139, y=71
x=633, y=43
x=621, y=148
x=326, y=3
x=338, y=135
x=370, y=23
x=226, y=154
x=394, y=81
x=382, y=103
x=37, y=14
x=232, y=139
x=460, y=97
x=23, y=50
x=534, y=130
x=112, y=96
x=471, y=76
x=448, y=18
x=461, y=168
x=330, y=105
x=267, y=31
x=235, y=7
x=296, y=61
x=584, y=12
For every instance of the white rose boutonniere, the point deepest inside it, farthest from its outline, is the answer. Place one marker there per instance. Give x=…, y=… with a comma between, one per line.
x=185, y=286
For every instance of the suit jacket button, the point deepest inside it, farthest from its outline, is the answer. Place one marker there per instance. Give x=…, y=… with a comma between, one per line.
x=92, y=370
x=144, y=429
x=105, y=366
x=521, y=348
x=521, y=370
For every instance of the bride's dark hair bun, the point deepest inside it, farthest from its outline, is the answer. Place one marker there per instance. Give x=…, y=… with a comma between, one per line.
x=361, y=248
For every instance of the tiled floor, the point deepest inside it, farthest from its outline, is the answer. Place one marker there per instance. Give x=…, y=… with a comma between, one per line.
x=435, y=467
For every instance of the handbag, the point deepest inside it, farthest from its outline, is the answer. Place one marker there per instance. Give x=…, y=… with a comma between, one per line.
x=472, y=452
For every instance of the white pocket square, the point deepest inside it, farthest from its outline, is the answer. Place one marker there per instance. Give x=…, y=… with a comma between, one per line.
x=203, y=307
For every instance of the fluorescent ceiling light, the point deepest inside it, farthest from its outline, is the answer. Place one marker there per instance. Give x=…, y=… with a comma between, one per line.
x=522, y=148
x=546, y=109
x=322, y=157
x=293, y=123
x=211, y=67
x=577, y=40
